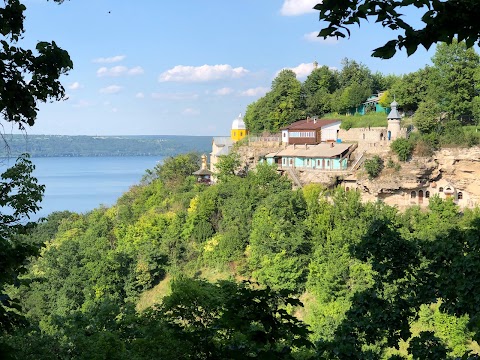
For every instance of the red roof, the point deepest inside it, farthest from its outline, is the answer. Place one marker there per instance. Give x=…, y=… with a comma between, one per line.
x=310, y=124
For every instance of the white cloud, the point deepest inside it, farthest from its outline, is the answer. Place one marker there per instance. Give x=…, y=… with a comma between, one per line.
x=202, y=73
x=302, y=70
x=112, y=89
x=313, y=37
x=258, y=91
x=190, y=111
x=174, y=96
x=298, y=7
x=82, y=104
x=137, y=70
x=119, y=70
x=109, y=60
x=74, y=86
x=224, y=91
x=140, y=95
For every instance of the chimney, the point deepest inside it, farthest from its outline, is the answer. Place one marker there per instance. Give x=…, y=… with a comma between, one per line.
x=314, y=120
x=204, y=162
x=308, y=119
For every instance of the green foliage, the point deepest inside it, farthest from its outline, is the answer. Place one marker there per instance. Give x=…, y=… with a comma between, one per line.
x=403, y=148
x=455, y=78
x=427, y=116
x=339, y=255
x=373, y=166
x=227, y=165
x=174, y=169
x=281, y=106
x=440, y=24
x=20, y=195
x=232, y=321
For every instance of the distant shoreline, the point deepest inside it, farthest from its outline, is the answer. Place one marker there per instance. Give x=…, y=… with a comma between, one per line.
x=101, y=146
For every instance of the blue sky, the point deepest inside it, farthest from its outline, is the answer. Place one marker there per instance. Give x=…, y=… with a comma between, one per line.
x=161, y=67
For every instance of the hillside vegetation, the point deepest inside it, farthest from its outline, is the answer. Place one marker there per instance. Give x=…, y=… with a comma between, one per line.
x=432, y=97
x=376, y=283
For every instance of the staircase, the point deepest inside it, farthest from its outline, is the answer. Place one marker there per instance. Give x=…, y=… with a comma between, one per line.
x=294, y=177
x=359, y=162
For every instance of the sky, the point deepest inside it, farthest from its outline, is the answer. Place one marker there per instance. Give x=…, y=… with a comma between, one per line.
x=162, y=67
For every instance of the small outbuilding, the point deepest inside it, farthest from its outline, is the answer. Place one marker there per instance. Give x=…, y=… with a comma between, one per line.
x=311, y=131
x=204, y=175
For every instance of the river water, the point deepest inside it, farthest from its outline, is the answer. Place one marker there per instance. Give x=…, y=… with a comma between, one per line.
x=81, y=184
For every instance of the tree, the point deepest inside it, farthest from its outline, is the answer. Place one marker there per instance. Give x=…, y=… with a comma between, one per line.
x=427, y=116
x=20, y=195
x=443, y=21
x=373, y=166
x=412, y=89
x=27, y=77
x=227, y=165
x=403, y=148
x=454, y=80
x=281, y=106
x=320, y=78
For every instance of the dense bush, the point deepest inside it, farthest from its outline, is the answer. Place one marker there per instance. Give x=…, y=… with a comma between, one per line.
x=403, y=148
x=373, y=166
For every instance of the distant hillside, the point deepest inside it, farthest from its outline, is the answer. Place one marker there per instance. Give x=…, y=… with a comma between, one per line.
x=66, y=145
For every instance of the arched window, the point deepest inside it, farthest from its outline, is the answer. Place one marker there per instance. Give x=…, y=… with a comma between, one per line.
x=420, y=196
x=427, y=194
x=413, y=194
x=440, y=189
x=460, y=195
x=284, y=134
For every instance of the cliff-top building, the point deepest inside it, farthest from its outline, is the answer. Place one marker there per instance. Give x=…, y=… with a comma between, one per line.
x=222, y=145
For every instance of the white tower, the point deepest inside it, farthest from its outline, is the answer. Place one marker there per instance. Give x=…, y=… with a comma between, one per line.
x=393, y=128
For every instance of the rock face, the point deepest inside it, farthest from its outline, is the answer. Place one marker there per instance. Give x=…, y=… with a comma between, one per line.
x=461, y=167
x=457, y=167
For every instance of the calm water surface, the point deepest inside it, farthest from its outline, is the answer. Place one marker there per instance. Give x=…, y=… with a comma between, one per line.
x=81, y=184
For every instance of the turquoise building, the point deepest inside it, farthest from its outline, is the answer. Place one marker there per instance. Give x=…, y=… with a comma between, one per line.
x=329, y=156
x=370, y=105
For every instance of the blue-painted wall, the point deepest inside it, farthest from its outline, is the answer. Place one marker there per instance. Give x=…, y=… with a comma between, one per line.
x=314, y=163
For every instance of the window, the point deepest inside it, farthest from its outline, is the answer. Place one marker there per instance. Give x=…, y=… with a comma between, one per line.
x=234, y=133
x=440, y=189
x=318, y=162
x=427, y=194
x=328, y=163
x=241, y=133
x=308, y=162
x=347, y=189
x=363, y=136
x=460, y=195
x=413, y=195
x=284, y=161
x=284, y=134
x=302, y=134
